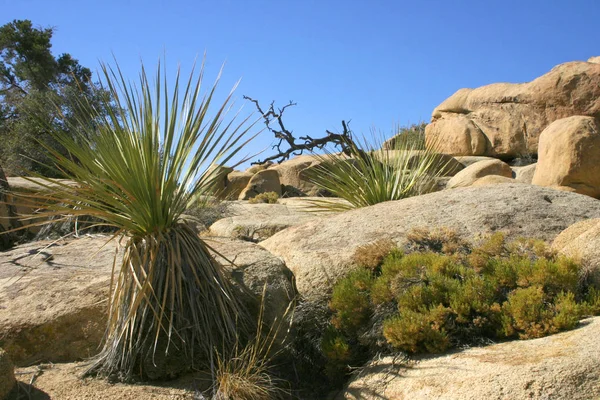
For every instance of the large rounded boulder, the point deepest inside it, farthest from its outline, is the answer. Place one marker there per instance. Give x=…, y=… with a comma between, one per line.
x=320, y=251
x=569, y=155
x=582, y=241
x=505, y=120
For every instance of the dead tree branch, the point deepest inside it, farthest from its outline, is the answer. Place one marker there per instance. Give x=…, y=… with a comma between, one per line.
x=297, y=146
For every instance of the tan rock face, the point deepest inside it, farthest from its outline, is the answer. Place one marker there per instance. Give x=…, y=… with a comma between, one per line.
x=565, y=366
x=261, y=182
x=295, y=173
x=257, y=222
x=493, y=180
x=473, y=172
x=569, y=155
x=582, y=241
x=7, y=375
x=505, y=120
x=53, y=297
x=459, y=136
x=236, y=182
x=319, y=252
x=525, y=174
x=63, y=382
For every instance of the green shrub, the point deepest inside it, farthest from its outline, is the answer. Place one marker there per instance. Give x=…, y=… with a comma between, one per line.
x=371, y=255
x=418, y=331
x=497, y=290
x=267, y=197
x=350, y=301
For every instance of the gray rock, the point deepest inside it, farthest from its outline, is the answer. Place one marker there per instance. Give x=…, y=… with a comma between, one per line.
x=7, y=375
x=565, y=366
x=319, y=252
x=257, y=222
x=524, y=174
x=255, y=267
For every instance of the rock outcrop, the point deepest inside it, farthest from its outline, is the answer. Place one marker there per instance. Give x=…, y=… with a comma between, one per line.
x=53, y=299
x=296, y=173
x=53, y=296
x=7, y=375
x=261, y=182
x=63, y=381
x=493, y=180
x=319, y=252
x=582, y=241
x=467, y=176
x=565, y=366
x=569, y=155
x=505, y=120
x=525, y=174
x=254, y=267
x=257, y=222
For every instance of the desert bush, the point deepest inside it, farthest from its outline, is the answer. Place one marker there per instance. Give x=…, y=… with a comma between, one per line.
x=267, y=197
x=446, y=296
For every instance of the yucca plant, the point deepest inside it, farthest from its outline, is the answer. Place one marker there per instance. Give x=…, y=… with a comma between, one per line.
x=148, y=159
x=369, y=173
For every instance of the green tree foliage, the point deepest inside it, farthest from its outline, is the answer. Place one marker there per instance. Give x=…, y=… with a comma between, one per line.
x=32, y=77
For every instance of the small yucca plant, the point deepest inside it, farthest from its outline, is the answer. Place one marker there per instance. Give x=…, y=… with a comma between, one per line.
x=369, y=173
x=138, y=170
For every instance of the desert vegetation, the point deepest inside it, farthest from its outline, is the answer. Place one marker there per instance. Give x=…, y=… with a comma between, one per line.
x=441, y=292
x=139, y=170
x=369, y=173
x=267, y=197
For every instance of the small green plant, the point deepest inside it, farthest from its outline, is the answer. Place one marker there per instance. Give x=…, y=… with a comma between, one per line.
x=369, y=174
x=447, y=293
x=267, y=197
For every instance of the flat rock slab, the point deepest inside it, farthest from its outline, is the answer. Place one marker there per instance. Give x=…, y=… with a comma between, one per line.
x=565, y=366
x=256, y=222
x=319, y=252
x=54, y=296
x=62, y=381
x=53, y=299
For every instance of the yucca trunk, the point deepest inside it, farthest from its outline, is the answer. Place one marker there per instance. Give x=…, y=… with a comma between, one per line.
x=167, y=301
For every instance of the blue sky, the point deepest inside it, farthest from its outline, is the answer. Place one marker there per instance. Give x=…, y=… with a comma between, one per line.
x=376, y=63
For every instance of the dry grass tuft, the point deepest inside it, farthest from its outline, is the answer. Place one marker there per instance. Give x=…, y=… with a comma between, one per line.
x=245, y=374
x=371, y=255
x=439, y=240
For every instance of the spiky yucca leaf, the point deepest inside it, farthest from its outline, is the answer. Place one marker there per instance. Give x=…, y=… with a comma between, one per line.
x=371, y=174
x=138, y=169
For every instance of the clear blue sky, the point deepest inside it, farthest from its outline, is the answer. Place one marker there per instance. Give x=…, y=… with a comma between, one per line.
x=375, y=63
